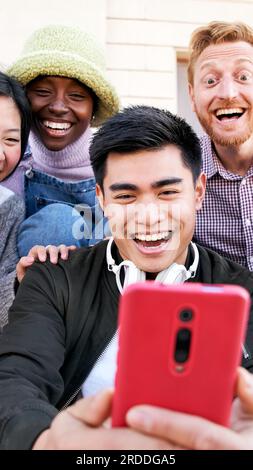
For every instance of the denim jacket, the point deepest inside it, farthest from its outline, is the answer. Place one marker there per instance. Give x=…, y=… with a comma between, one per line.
x=42, y=190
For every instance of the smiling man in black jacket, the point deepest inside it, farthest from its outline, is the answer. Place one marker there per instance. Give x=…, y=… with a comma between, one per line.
x=60, y=339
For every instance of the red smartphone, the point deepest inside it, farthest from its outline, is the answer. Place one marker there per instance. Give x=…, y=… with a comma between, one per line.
x=179, y=348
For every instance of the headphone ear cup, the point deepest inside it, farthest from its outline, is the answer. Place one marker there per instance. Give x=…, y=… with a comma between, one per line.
x=182, y=275
x=133, y=274
x=176, y=274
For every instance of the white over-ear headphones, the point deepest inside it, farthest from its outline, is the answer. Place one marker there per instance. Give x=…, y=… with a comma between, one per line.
x=174, y=274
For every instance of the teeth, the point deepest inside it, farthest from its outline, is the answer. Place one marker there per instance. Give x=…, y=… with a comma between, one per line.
x=154, y=237
x=57, y=125
x=229, y=111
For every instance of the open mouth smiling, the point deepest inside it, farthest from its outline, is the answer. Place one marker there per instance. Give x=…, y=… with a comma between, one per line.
x=229, y=114
x=152, y=241
x=56, y=128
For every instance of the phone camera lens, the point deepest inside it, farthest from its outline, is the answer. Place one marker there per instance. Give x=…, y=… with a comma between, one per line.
x=186, y=315
x=183, y=342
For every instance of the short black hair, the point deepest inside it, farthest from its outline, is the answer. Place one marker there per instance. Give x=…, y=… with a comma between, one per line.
x=10, y=88
x=144, y=128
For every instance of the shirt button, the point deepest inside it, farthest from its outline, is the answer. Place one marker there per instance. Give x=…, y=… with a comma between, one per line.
x=244, y=181
x=247, y=223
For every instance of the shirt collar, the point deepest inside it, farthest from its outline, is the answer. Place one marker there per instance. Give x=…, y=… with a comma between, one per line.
x=211, y=164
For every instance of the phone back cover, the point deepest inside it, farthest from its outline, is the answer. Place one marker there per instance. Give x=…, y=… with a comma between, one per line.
x=149, y=321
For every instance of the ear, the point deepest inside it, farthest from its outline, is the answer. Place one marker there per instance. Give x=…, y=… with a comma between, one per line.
x=100, y=196
x=200, y=189
x=192, y=98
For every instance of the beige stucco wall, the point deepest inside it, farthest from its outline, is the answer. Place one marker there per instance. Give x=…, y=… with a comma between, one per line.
x=19, y=18
x=142, y=38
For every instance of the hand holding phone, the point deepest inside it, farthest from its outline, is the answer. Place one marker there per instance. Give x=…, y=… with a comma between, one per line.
x=179, y=347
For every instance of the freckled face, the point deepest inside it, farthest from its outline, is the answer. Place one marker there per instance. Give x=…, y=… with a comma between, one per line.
x=222, y=92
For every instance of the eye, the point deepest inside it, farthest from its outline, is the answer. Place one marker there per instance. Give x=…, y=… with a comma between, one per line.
x=210, y=81
x=168, y=192
x=244, y=76
x=77, y=96
x=41, y=92
x=12, y=140
x=124, y=196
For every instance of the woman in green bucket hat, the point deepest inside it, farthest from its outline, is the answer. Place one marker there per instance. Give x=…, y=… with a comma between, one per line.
x=63, y=71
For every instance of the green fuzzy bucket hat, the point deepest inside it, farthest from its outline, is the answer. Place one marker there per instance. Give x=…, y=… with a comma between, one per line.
x=65, y=51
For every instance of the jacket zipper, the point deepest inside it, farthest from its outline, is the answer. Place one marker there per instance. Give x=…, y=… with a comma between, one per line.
x=75, y=393
x=245, y=352
x=70, y=399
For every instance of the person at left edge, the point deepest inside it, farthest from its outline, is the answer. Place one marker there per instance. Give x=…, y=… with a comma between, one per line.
x=15, y=120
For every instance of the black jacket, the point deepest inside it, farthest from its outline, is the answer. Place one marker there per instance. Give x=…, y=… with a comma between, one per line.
x=61, y=320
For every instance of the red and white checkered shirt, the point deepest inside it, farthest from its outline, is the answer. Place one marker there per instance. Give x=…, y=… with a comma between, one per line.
x=225, y=222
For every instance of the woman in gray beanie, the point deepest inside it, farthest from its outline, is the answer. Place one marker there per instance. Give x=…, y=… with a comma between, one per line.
x=63, y=70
